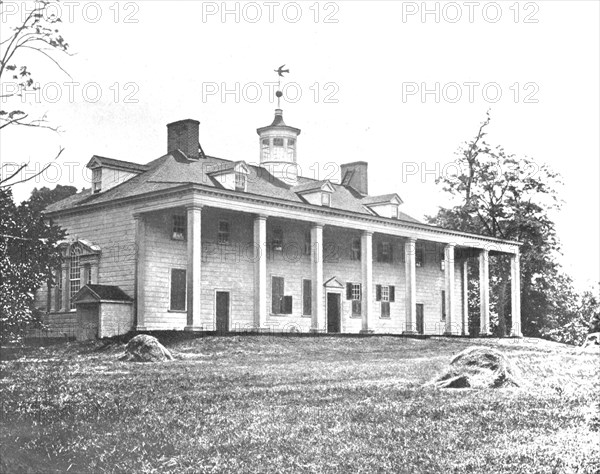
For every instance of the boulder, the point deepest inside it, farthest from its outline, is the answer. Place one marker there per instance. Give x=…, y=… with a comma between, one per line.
x=478, y=367
x=144, y=348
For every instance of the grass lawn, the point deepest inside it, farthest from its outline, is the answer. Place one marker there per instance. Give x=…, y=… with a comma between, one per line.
x=296, y=404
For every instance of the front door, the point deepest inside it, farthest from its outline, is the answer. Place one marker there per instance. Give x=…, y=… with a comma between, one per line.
x=333, y=312
x=420, y=328
x=222, y=311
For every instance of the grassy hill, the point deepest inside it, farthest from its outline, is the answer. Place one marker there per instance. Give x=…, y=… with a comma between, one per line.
x=295, y=404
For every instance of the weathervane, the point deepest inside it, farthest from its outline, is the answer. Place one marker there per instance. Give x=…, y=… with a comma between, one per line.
x=280, y=72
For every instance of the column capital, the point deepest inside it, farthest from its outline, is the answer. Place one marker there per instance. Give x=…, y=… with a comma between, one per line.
x=194, y=207
x=367, y=233
x=138, y=216
x=410, y=240
x=451, y=244
x=317, y=225
x=260, y=217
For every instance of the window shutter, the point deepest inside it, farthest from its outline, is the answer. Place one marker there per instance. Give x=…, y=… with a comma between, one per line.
x=307, y=298
x=178, y=287
x=348, y=291
x=378, y=293
x=392, y=294
x=276, y=295
x=287, y=305
x=443, y=304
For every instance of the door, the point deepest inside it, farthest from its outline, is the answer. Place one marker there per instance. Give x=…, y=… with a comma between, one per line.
x=222, y=311
x=420, y=328
x=333, y=312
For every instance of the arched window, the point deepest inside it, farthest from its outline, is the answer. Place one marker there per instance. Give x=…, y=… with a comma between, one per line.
x=79, y=267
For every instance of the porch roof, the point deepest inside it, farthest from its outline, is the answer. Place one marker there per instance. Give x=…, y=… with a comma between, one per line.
x=101, y=293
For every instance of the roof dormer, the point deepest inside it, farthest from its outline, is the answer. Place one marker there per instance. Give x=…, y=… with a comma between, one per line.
x=386, y=205
x=317, y=192
x=233, y=176
x=108, y=172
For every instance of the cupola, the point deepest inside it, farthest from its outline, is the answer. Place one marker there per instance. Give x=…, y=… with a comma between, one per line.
x=278, y=149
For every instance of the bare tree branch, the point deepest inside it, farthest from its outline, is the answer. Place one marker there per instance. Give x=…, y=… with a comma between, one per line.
x=31, y=177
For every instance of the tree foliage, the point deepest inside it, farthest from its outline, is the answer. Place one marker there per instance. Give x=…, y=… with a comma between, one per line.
x=28, y=254
x=501, y=195
x=28, y=250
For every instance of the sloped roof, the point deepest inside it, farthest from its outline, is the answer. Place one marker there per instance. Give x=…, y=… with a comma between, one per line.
x=102, y=293
x=175, y=169
x=228, y=167
x=383, y=199
x=112, y=163
x=313, y=186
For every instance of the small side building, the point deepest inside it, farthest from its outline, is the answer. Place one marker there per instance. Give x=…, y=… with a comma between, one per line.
x=103, y=311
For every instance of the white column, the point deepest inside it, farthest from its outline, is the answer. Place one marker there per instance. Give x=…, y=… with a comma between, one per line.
x=366, y=253
x=316, y=263
x=450, y=297
x=260, y=271
x=484, y=293
x=465, y=311
x=140, y=265
x=515, y=290
x=194, y=267
x=411, y=286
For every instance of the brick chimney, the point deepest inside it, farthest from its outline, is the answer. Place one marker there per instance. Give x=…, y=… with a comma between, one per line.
x=356, y=176
x=184, y=135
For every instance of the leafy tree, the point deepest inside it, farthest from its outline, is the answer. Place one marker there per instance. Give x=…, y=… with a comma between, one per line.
x=43, y=197
x=27, y=243
x=574, y=315
x=28, y=253
x=500, y=195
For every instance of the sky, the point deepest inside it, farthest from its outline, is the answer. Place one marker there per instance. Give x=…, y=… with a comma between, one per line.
x=399, y=84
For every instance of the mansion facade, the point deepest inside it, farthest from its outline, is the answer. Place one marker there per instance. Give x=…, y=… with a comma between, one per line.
x=193, y=242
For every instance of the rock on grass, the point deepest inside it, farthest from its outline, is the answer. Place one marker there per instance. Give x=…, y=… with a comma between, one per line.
x=478, y=367
x=144, y=348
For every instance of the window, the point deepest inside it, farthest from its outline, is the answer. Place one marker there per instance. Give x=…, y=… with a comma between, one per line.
x=419, y=257
x=179, y=228
x=74, y=278
x=266, y=150
x=326, y=199
x=387, y=295
x=240, y=182
x=306, y=297
x=354, y=293
x=277, y=141
x=87, y=274
x=96, y=180
x=58, y=295
x=277, y=240
x=291, y=149
x=307, y=242
x=355, y=249
x=394, y=212
x=178, y=289
x=384, y=252
x=223, y=233
x=280, y=304
x=443, y=304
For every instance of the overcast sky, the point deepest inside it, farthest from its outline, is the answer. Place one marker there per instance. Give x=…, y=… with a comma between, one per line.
x=357, y=74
